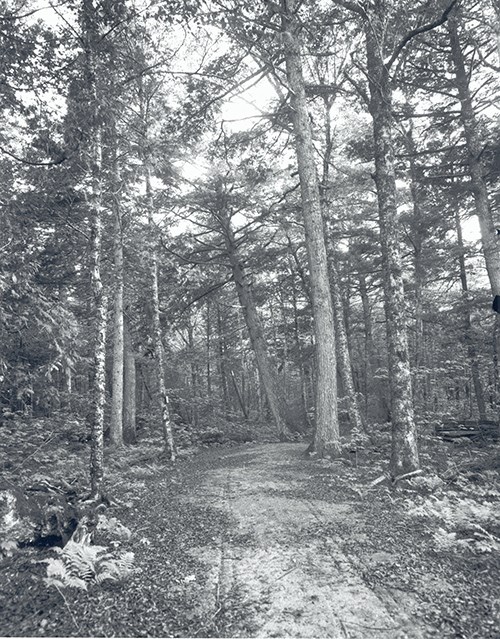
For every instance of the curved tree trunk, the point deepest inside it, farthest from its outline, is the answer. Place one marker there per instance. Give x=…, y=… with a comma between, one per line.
x=326, y=436
x=256, y=332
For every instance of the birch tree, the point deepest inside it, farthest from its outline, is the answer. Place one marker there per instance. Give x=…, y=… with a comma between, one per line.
x=152, y=258
x=90, y=37
x=117, y=408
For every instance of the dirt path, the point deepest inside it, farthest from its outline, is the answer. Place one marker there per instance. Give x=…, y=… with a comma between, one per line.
x=290, y=580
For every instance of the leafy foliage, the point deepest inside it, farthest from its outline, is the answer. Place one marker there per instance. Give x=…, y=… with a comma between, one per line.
x=461, y=517
x=82, y=564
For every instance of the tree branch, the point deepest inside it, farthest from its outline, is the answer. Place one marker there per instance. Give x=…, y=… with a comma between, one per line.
x=352, y=6
x=30, y=162
x=205, y=292
x=423, y=29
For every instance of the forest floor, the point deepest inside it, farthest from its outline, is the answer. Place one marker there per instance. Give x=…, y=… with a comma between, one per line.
x=260, y=540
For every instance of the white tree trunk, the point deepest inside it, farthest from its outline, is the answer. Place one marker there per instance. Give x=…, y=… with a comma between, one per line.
x=116, y=426
x=94, y=164
x=157, y=333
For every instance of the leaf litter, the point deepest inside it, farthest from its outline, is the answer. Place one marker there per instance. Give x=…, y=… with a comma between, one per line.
x=224, y=550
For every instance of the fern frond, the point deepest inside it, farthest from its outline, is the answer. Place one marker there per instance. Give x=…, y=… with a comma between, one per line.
x=81, y=559
x=80, y=563
x=59, y=576
x=116, y=569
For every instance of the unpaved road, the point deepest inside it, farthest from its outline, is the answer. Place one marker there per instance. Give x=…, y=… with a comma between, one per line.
x=292, y=581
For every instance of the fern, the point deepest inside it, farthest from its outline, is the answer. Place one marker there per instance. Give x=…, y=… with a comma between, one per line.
x=82, y=559
x=116, y=569
x=59, y=576
x=460, y=517
x=81, y=564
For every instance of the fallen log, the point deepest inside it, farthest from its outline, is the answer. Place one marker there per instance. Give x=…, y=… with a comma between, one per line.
x=473, y=429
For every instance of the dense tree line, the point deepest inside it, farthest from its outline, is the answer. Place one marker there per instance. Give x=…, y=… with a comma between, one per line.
x=310, y=265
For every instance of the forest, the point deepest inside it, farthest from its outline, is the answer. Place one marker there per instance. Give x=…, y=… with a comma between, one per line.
x=250, y=318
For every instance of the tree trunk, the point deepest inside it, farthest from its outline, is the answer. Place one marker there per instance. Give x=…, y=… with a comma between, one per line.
x=404, y=456
x=344, y=355
x=468, y=332
x=286, y=347
x=255, y=331
x=489, y=238
x=116, y=426
x=326, y=435
x=339, y=317
x=419, y=278
x=193, y=366
x=208, y=337
x=496, y=26
x=300, y=351
x=129, y=391
x=98, y=388
x=239, y=395
x=221, y=352
x=157, y=335
x=369, y=349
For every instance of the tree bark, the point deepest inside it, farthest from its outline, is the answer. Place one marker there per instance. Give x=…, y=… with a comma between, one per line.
x=116, y=425
x=129, y=391
x=255, y=330
x=157, y=333
x=489, y=238
x=404, y=456
x=344, y=355
x=194, y=375
x=221, y=354
x=94, y=168
x=468, y=332
x=208, y=338
x=419, y=278
x=152, y=258
x=341, y=332
x=326, y=435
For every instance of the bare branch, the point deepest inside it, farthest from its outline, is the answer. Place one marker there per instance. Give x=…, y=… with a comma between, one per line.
x=31, y=162
x=423, y=29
